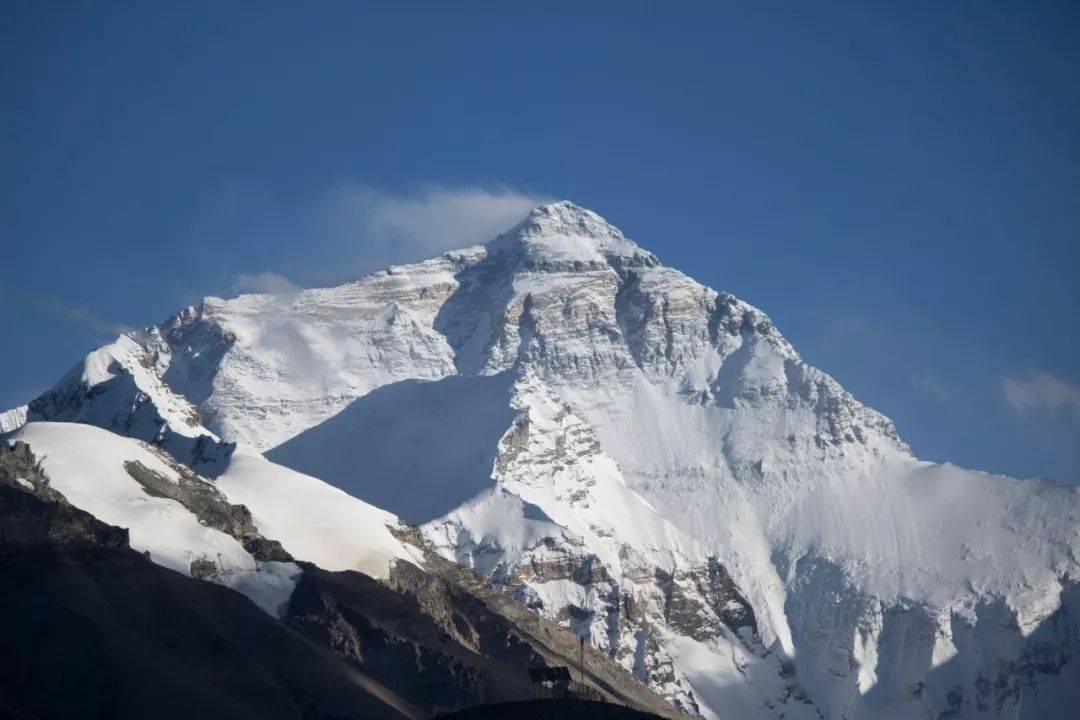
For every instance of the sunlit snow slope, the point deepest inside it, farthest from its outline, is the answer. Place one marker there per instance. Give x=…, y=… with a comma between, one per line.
x=629, y=452
x=192, y=525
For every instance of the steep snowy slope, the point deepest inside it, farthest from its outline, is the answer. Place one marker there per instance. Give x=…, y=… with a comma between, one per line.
x=105, y=475
x=314, y=521
x=636, y=455
x=193, y=526
x=120, y=387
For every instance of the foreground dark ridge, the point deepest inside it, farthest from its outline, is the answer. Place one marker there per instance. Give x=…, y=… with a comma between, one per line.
x=93, y=628
x=570, y=709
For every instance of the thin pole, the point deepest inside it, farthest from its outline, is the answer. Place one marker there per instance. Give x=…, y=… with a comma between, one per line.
x=581, y=662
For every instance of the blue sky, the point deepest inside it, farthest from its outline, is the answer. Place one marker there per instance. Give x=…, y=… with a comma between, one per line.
x=896, y=184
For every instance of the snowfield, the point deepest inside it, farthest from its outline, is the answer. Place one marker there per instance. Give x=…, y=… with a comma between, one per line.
x=623, y=449
x=86, y=465
x=315, y=521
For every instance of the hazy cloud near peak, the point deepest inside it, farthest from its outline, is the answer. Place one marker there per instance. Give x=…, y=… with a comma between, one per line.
x=80, y=313
x=267, y=283
x=403, y=227
x=347, y=230
x=84, y=315
x=1040, y=391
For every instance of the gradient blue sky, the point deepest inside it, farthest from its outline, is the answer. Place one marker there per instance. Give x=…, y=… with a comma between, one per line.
x=896, y=184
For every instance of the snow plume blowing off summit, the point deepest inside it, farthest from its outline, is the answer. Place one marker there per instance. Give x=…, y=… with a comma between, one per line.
x=625, y=451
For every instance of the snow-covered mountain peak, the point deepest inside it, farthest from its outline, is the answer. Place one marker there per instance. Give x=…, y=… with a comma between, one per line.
x=562, y=232
x=628, y=450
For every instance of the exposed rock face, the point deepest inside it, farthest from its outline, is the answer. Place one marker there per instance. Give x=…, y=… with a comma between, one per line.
x=437, y=643
x=33, y=512
x=636, y=456
x=20, y=470
x=208, y=504
x=121, y=387
x=600, y=559
x=485, y=608
x=12, y=419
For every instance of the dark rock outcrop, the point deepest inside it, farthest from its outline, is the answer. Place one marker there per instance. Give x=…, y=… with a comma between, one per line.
x=445, y=639
x=93, y=629
x=566, y=709
x=209, y=505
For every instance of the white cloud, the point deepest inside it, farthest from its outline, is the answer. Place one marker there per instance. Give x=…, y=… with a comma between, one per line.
x=265, y=282
x=84, y=315
x=1040, y=391
x=388, y=228
x=347, y=229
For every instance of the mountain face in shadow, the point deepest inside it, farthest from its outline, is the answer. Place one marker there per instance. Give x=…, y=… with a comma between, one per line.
x=90, y=627
x=94, y=629
x=1030, y=676
x=416, y=448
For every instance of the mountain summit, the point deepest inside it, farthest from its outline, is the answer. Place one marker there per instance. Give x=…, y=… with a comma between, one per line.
x=565, y=231
x=627, y=452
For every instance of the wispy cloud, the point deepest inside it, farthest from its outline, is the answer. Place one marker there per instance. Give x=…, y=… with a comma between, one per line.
x=84, y=315
x=1040, y=391
x=346, y=230
x=81, y=313
x=931, y=384
x=389, y=228
x=268, y=283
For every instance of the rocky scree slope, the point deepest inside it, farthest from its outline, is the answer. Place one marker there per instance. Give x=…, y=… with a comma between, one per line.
x=636, y=456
